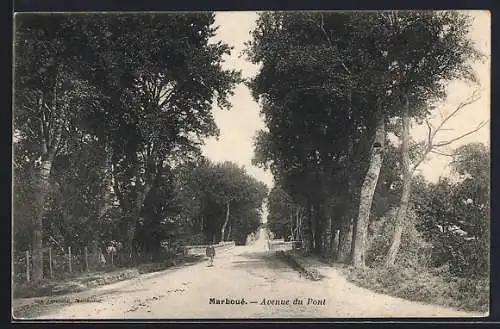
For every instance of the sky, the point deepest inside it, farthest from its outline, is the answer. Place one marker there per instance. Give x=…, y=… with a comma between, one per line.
x=239, y=125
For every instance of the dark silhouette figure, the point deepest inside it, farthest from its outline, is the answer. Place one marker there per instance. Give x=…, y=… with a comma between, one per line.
x=210, y=252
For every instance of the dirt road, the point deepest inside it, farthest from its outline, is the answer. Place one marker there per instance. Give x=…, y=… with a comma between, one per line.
x=249, y=277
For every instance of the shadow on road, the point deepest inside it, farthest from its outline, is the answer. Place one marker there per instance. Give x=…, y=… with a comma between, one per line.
x=119, y=292
x=255, y=260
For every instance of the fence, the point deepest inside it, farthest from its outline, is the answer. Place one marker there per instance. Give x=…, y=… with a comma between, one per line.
x=60, y=263
x=200, y=249
x=280, y=245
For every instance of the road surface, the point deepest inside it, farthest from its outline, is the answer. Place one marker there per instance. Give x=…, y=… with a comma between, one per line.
x=250, y=278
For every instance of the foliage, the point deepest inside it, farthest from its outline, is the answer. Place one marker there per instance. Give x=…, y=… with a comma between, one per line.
x=208, y=188
x=455, y=215
x=320, y=97
x=414, y=250
x=444, y=253
x=282, y=214
x=422, y=285
x=313, y=107
x=119, y=105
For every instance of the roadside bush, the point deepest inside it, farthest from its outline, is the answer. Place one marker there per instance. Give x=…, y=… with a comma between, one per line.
x=436, y=287
x=465, y=258
x=413, y=252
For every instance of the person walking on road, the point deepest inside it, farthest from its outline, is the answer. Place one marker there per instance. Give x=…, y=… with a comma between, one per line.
x=210, y=252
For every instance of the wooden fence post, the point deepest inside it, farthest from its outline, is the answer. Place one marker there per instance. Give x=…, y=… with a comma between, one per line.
x=50, y=262
x=27, y=265
x=69, y=259
x=86, y=259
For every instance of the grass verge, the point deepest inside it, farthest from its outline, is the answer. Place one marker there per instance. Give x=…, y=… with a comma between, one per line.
x=422, y=285
x=24, y=306
x=296, y=262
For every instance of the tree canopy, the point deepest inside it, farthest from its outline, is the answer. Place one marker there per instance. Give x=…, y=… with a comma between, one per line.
x=107, y=107
x=331, y=86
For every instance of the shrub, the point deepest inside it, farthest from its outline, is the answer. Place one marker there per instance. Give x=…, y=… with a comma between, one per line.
x=413, y=252
x=434, y=286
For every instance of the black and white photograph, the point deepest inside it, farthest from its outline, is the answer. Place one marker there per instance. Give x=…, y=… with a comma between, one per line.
x=251, y=165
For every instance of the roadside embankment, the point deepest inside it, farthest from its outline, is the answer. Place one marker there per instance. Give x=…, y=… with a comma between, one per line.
x=28, y=297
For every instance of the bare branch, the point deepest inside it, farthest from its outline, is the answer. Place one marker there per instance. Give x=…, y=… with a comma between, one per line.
x=56, y=140
x=43, y=140
x=472, y=99
x=31, y=110
x=44, y=128
x=30, y=98
x=429, y=136
x=47, y=107
x=168, y=96
x=316, y=87
x=481, y=125
x=431, y=147
x=441, y=153
x=327, y=37
x=32, y=131
x=164, y=93
x=159, y=89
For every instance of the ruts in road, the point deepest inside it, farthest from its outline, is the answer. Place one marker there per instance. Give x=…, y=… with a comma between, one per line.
x=245, y=282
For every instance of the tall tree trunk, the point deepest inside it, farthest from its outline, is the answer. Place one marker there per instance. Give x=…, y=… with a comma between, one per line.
x=297, y=236
x=341, y=253
x=132, y=219
x=229, y=232
x=406, y=188
x=352, y=235
x=335, y=237
x=366, y=195
x=345, y=240
x=306, y=230
x=225, y=222
x=344, y=246
x=108, y=182
x=317, y=229
x=132, y=210
x=328, y=235
x=153, y=172
x=43, y=176
x=299, y=220
x=312, y=229
x=334, y=243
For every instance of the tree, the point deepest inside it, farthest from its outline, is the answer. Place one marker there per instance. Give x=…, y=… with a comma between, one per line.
x=312, y=116
x=281, y=213
x=142, y=86
x=441, y=53
x=230, y=176
x=207, y=188
x=78, y=202
x=472, y=163
x=455, y=214
x=173, y=73
x=47, y=97
x=420, y=153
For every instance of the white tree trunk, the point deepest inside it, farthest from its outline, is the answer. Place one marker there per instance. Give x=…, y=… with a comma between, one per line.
x=406, y=189
x=366, y=195
x=225, y=222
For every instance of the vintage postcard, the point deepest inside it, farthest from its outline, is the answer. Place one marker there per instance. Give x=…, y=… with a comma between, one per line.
x=251, y=165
